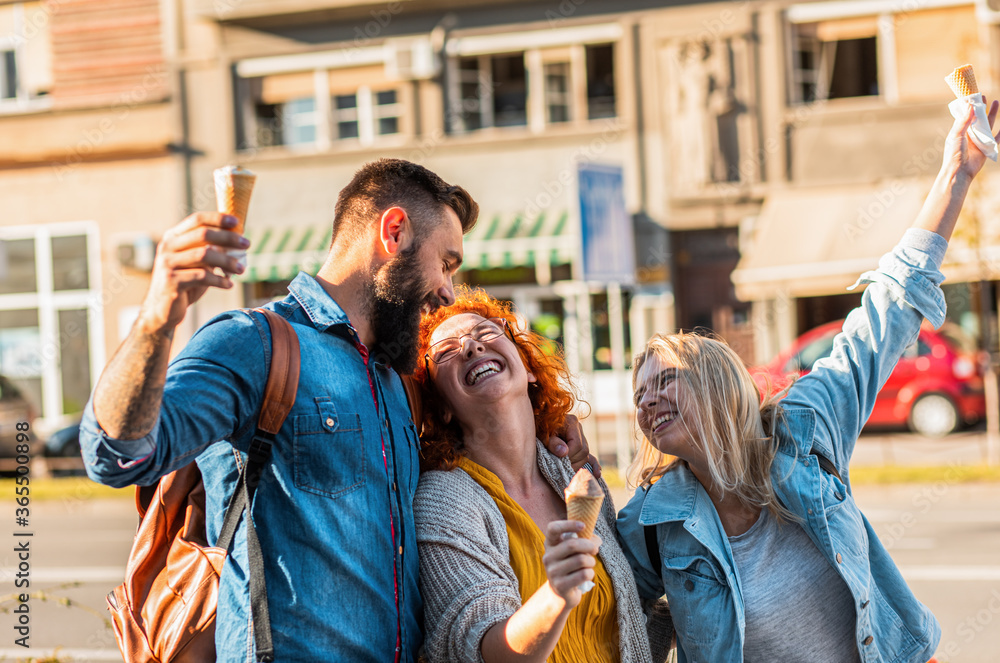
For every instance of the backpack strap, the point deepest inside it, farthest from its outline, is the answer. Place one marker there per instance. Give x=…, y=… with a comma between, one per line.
x=652, y=549
x=279, y=396
x=827, y=466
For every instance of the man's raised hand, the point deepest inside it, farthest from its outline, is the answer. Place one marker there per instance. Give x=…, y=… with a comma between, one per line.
x=185, y=267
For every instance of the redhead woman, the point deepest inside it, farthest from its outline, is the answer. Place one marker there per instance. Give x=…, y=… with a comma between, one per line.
x=500, y=568
x=752, y=532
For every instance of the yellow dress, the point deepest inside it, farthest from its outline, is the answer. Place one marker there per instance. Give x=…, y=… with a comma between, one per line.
x=591, y=633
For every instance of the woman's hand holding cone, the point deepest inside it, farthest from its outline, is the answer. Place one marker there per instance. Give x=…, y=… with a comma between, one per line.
x=569, y=560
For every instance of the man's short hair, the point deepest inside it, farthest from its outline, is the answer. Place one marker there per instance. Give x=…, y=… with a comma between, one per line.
x=387, y=183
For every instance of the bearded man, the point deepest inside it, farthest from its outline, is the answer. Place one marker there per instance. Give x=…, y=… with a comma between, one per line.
x=333, y=509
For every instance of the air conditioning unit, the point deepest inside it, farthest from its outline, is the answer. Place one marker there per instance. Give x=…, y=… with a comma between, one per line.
x=137, y=253
x=411, y=59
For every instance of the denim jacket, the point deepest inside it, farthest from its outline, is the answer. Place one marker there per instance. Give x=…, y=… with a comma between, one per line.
x=823, y=415
x=334, y=507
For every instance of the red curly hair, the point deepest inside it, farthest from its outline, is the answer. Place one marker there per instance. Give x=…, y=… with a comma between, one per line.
x=551, y=394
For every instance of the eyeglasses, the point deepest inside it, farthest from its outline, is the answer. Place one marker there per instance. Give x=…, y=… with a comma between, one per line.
x=448, y=348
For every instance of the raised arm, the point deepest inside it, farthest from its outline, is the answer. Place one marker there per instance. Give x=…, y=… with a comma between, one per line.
x=129, y=392
x=962, y=162
x=904, y=290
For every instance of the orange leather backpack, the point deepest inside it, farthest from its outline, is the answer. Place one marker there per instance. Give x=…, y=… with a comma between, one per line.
x=165, y=609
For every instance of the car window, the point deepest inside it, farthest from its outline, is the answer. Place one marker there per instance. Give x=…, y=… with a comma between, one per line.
x=810, y=354
x=8, y=392
x=918, y=348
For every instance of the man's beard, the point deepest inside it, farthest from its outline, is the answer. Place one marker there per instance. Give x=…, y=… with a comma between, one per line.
x=394, y=298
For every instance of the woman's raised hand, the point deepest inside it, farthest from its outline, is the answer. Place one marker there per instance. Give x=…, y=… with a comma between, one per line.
x=569, y=561
x=961, y=155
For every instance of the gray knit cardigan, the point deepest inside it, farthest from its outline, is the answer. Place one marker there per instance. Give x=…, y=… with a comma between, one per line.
x=467, y=581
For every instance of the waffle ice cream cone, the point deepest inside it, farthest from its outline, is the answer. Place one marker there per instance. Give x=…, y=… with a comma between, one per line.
x=233, y=186
x=962, y=81
x=584, y=498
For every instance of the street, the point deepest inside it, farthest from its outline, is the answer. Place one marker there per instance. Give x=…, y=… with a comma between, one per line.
x=944, y=535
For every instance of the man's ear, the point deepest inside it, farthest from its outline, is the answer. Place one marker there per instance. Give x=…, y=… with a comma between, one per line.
x=394, y=230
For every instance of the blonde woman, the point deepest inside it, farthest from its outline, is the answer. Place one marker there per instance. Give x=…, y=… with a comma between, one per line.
x=752, y=532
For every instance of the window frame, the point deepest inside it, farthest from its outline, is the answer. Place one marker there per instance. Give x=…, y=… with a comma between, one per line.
x=48, y=302
x=536, y=62
x=885, y=55
x=325, y=115
x=22, y=101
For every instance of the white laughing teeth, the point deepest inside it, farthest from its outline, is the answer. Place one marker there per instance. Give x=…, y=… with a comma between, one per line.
x=663, y=418
x=489, y=368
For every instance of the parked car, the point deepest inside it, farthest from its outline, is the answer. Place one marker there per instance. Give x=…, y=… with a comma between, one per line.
x=14, y=409
x=935, y=388
x=65, y=444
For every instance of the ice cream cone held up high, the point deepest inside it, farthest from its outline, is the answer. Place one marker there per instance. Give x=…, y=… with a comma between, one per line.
x=583, y=501
x=233, y=186
x=962, y=81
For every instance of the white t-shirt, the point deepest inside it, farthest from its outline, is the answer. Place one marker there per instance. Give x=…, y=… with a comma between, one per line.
x=798, y=608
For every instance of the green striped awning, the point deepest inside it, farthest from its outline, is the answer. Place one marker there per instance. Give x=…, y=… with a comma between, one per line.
x=278, y=254
x=517, y=241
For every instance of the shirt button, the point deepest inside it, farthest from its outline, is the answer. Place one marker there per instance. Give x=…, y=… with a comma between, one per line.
x=689, y=585
x=401, y=550
x=865, y=604
x=329, y=421
x=809, y=511
x=868, y=640
x=393, y=486
x=840, y=498
x=839, y=559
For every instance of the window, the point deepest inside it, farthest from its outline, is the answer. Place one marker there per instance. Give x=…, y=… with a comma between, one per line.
x=600, y=82
x=510, y=91
x=298, y=121
x=8, y=76
x=345, y=116
x=577, y=84
x=317, y=109
x=25, y=55
x=557, y=92
x=51, y=322
x=387, y=111
x=834, y=60
x=493, y=92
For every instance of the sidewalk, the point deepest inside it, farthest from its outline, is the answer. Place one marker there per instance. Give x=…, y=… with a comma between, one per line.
x=902, y=448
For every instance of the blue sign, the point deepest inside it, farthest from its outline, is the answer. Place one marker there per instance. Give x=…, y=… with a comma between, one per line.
x=606, y=228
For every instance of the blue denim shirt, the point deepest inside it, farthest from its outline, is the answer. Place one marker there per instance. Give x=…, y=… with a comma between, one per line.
x=824, y=413
x=334, y=507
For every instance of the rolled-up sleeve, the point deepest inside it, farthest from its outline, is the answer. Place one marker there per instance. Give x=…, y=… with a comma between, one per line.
x=841, y=388
x=212, y=391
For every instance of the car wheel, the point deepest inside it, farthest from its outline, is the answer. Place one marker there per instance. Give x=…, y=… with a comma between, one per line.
x=933, y=415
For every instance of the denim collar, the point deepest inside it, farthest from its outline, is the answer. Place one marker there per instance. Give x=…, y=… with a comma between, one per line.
x=674, y=497
x=317, y=303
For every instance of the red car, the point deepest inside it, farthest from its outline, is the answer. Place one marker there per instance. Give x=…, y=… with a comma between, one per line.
x=936, y=387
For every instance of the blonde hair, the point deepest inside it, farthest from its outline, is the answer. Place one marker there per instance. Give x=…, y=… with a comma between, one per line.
x=733, y=429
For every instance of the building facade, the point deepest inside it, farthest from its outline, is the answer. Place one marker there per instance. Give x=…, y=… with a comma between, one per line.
x=742, y=161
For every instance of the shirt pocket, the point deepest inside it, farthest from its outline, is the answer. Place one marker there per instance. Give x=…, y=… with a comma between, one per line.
x=328, y=451
x=696, y=597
